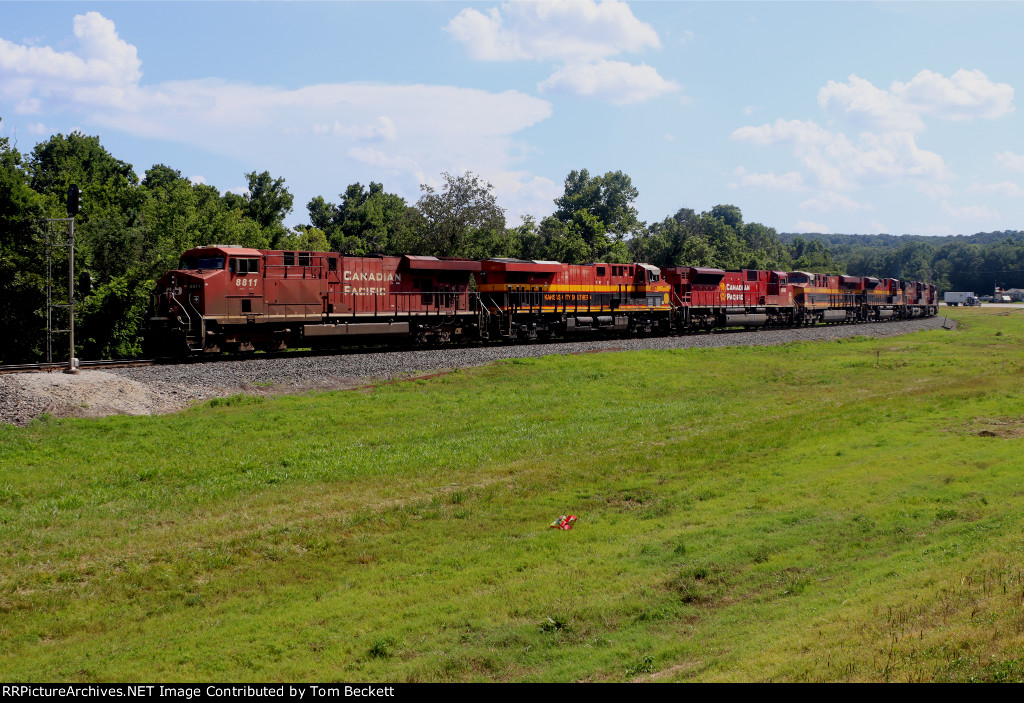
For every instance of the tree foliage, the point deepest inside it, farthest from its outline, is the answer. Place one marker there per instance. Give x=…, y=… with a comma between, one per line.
x=131, y=230
x=368, y=221
x=462, y=218
x=977, y=263
x=127, y=233
x=718, y=238
x=21, y=257
x=594, y=218
x=267, y=202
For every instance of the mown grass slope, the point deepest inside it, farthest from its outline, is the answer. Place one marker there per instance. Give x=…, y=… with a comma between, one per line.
x=819, y=511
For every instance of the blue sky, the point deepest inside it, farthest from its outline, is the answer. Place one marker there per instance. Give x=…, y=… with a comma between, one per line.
x=811, y=116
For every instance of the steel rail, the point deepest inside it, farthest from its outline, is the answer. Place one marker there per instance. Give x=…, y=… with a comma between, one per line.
x=62, y=365
x=370, y=349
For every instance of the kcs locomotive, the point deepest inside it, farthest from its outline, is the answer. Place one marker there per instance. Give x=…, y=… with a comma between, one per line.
x=229, y=298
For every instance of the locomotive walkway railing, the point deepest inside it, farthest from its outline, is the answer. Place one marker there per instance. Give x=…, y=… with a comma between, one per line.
x=415, y=303
x=190, y=329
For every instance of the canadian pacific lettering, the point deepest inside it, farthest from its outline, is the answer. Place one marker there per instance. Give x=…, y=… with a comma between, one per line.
x=371, y=276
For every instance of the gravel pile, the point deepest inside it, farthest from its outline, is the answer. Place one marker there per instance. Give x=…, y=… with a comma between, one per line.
x=25, y=396
x=158, y=389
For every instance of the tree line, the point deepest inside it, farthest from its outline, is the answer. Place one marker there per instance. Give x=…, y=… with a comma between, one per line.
x=131, y=230
x=977, y=263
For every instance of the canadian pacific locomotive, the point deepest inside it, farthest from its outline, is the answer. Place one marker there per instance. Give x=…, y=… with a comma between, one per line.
x=229, y=298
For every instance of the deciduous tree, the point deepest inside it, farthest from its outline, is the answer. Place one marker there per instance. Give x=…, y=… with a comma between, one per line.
x=462, y=218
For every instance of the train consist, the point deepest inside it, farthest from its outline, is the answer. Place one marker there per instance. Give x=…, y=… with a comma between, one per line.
x=229, y=298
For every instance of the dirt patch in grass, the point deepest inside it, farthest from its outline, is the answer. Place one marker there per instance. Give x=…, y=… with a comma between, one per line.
x=1005, y=427
x=669, y=672
x=364, y=387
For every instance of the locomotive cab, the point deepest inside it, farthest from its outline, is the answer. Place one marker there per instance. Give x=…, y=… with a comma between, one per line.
x=209, y=280
x=649, y=285
x=779, y=293
x=244, y=285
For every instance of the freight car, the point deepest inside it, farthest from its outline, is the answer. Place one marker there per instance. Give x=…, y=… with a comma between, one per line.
x=229, y=298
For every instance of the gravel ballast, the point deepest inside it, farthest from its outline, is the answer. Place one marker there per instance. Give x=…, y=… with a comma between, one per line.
x=158, y=389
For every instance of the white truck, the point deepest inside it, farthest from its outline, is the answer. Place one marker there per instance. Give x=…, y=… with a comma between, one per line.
x=956, y=298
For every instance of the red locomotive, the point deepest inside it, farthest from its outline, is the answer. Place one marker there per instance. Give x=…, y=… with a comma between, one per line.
x=229, y=298
x=531, y=299
x=236, y=299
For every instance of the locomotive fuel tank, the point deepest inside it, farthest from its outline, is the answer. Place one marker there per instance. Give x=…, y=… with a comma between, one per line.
x=746, y=320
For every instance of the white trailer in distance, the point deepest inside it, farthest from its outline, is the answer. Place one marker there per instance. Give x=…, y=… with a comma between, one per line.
x=956, y=298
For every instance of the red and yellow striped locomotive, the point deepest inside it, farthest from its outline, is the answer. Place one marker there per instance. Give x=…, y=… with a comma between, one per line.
x=529, y=299
x=234, y=298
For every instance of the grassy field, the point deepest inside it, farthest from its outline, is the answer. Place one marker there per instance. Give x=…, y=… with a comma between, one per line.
x=819, y=511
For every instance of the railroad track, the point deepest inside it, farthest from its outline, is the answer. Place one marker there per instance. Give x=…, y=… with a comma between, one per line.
x=293, y=353
x=62, y=365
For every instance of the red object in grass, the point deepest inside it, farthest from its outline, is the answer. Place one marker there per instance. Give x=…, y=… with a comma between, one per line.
x=564, y=523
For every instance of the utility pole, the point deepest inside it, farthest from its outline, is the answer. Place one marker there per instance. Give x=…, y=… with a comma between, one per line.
x=74, y=203
x=53, y=240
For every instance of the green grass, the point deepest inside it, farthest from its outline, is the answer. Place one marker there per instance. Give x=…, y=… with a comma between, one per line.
x=839, y=511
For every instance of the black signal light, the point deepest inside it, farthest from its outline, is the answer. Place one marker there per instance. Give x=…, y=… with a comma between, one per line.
x=74, y=200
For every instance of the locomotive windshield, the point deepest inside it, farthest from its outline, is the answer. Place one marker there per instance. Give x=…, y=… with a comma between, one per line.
x=188, y=263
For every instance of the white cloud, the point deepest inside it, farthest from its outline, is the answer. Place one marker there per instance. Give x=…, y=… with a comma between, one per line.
x=384, y=128
x=970, y=212
x=1007, y=159
x=197, y=180
x=349, y=130
x=791, y=131
x=838, y=163
x=580, y=35
x=429, y=129
x=570, y=30
x=886, y=123
x=523, y=193
x=897, y=154
x=965, y=95
x=104, y=62
x=1005, y=188
x=791, y=181
x=805, y=226
x=616, y=82
x=28, y=106
x=869, y=106
x=935, y=191
x=830, y=201
x=375, y=157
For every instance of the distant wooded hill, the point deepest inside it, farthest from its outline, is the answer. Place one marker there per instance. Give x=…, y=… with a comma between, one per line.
x=896, y=240
x=977, y=262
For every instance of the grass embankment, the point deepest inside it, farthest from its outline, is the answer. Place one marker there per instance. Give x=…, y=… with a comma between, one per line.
x=838, y=511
